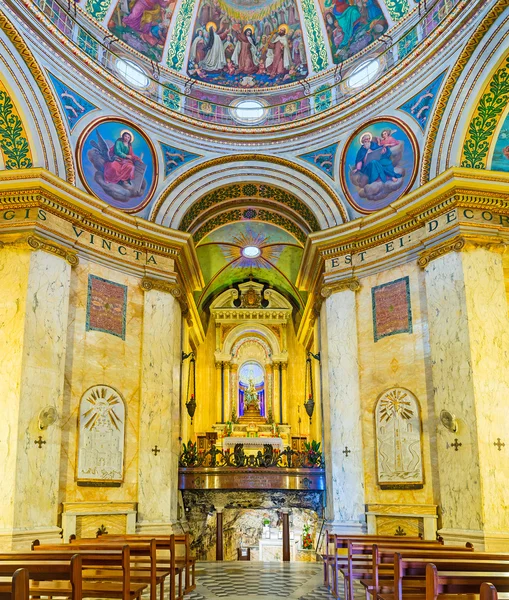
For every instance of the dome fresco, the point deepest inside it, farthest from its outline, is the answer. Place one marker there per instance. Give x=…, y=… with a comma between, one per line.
x=255, y=44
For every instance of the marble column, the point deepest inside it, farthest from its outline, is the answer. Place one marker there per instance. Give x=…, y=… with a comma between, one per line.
x=342, y=411
x=159, y=411
x=34, y=305
x=469, y=343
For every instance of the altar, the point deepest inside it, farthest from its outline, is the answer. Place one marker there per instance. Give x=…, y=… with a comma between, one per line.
x=254, y=443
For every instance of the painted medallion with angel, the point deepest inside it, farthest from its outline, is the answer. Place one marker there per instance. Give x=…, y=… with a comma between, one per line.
x=379, y=164
x=117, y=163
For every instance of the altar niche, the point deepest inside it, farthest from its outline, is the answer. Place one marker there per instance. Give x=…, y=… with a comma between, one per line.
x=251, y=397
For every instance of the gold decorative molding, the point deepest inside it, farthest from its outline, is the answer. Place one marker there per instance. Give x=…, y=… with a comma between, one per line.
x=39, y=243
x=19, y=43
x=352, y=284
x=460, y=243
x=36, y=242
x=148, y=283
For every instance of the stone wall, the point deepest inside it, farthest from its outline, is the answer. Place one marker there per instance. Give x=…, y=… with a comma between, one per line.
x=243, y=515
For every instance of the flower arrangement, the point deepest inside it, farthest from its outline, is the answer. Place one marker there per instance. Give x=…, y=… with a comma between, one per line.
x=307, y=540
x=314, y=454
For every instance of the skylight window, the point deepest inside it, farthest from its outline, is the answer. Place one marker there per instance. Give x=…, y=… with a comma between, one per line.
x=364, y=74
x=132, y=73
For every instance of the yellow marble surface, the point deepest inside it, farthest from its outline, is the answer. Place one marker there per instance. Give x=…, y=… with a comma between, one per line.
x=93, y=358
x=33, y=320
x=394, y=361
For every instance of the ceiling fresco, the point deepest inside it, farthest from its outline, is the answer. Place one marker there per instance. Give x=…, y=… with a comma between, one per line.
x=243, y=44
x=224, y=263
x=248, y=43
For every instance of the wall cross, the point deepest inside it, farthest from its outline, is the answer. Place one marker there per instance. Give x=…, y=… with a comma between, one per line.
x=346, y=451
x=456, y=444
x=499, y=444
x=156, y=450
x=39, y=442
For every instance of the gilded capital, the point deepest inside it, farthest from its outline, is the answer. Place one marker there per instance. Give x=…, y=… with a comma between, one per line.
x=147, y=284
x=460, y=244
x=38, y=243
x=351, y=284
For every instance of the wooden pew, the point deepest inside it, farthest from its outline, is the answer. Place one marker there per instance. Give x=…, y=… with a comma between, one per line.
x=155, y=573
x=340, y=542
x=463, y=583
x=65, y=572
x=382, y=567
x=410, y=572
x=359, y=553
x=167, y=542
x=122, y=589
x=488, y=591
x=15, y=587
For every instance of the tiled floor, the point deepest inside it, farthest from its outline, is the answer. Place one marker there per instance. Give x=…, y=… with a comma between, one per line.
x=259, y=581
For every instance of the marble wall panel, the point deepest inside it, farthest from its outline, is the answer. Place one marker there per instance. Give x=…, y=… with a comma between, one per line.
x=342, y=412
x=399, y=360
x=459, y=471
x=33, y=317
x=41, y=386
x=14, y=269
x=159, y=415
x=94, y=358
x=488, y=329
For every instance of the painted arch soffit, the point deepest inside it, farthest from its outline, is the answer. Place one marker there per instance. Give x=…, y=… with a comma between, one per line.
x=188, y=188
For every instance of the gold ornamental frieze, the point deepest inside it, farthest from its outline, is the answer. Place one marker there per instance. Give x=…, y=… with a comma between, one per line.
x=69, y=222
x=489, y=223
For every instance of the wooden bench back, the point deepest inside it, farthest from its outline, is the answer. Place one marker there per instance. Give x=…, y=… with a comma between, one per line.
x=20, y=587
x=113, y=557
x=10, y=562
x=459, y=583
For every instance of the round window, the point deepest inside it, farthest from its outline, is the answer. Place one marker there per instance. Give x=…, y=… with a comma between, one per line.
x=248, y=111
x=132, y=73
x=363, y=74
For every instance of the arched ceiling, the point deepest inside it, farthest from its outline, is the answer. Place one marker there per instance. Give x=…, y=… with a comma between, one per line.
x=224, y=265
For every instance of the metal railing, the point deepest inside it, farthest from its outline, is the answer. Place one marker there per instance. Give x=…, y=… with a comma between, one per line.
x=298, y=101
x=269, y=458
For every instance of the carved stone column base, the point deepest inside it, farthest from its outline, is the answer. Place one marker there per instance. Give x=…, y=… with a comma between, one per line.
x=346, y=527
x=491, y=541
x=21, y=539
x=150, y=528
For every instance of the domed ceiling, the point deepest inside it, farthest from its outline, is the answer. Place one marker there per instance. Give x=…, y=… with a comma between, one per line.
x=248, y=43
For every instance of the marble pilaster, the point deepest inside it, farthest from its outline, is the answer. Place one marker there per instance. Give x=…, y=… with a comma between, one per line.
x=469, y=340
x=159, y=413
x=342, y=414
x=34, y=303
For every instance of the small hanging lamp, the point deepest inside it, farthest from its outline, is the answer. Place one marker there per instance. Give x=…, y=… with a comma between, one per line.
x=309, y=403
x=191, y=385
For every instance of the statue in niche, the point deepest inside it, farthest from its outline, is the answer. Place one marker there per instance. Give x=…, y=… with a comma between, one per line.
x=251, y=397
x=101, y=437
x=398, y=440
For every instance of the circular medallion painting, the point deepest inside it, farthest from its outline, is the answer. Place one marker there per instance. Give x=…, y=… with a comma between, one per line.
x=379, y=164
x=117, y=163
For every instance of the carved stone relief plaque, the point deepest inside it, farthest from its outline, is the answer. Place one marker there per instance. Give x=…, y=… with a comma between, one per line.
x=101, y=433
x=398, y=440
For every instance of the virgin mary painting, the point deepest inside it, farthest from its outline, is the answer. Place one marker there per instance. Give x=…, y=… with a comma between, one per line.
x=379, y=164
x=117, y=164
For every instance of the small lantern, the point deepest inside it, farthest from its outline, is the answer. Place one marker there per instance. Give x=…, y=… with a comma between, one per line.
x=191, y=385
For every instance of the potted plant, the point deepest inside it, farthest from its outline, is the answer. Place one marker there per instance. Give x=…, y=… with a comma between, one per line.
x=266, y=527
x=307, y=540
x=313, y=453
